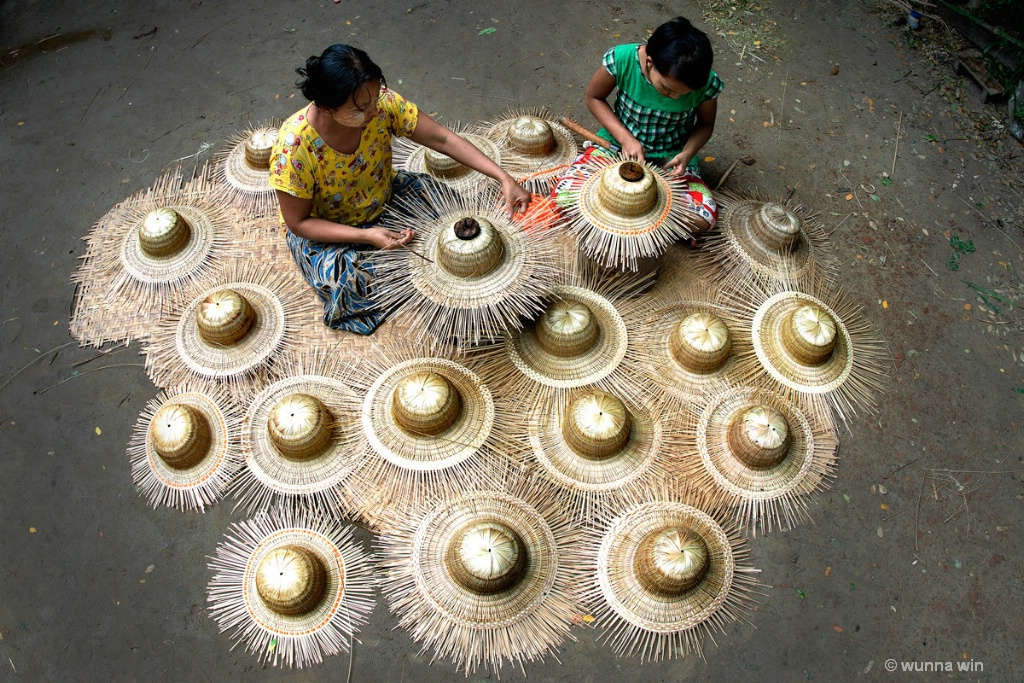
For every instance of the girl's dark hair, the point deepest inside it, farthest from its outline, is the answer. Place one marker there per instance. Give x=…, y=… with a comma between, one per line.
x=330, y=79
x=681, y=51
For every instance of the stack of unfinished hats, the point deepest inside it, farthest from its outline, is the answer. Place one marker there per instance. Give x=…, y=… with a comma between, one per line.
x=535, y=435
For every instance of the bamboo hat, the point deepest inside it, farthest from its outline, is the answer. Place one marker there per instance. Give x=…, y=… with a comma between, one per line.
x=415, y=158
x=760, y=454
x=229, y=330
x=484, y=577
x=625, y=210
x=291, y=586
x=822, y=349
x=184, y=446
x=534, y=148
x=476, y=273
x=768, y=241
x=598, y=450
x=299, y=435
x=147, y=251
x=688, y=347
x=429, y=430
x=667, y=575
x=244, y=168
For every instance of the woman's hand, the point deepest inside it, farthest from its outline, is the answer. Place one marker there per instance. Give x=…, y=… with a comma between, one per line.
x=382, y=238
x=517, y=199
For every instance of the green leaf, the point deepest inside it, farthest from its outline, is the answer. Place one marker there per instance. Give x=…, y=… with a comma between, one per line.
x=1018, y=390
x=886, y=182
x=930, y=138
x=875, y=197
x=487, y=31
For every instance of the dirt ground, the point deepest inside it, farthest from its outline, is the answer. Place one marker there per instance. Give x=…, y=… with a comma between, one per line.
x=914, y=555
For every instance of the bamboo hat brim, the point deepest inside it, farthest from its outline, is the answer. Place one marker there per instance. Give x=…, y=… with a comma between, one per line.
x=617, y=223
x=412, y=158
x=520, y=620
x=247, y=185
x=291, y=639
x=767, y=336
x=770, y=495
x=569, y=469
x=452, y=299
x=528, y=354
x=202, y=482
x=664, y=368
x=268, y=473
x=519, y=163
x=426, y=452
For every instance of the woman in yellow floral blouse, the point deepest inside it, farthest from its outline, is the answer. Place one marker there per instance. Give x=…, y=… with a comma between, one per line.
x=332, y=172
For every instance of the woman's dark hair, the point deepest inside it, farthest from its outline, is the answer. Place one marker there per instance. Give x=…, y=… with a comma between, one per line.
x=681, y=51
x=330, y=79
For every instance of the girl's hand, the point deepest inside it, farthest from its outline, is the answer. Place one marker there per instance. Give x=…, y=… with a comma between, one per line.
x=632, y=149
x=517, y=199
x=382, y=238
x=677, y=165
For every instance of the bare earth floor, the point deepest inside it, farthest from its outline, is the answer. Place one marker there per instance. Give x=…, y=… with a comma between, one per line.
x=95, y=585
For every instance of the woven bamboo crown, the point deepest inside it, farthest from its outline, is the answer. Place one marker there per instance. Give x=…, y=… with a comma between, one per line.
x=567, y=328
x=759, y=436
x=425, y=403
x=597, y=425
x=258, y=146
x=809, y=334
x=164, y=232
x=300, y=426
x=486, y=557
x=700, y=342
x=291, y=580
x=224, y=317
x=627, y=189
x=470, y=248
x=180, y=435
x=775, y=227
x=531, y=135
x=671, y=561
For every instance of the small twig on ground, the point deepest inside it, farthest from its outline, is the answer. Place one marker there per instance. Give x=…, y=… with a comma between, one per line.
x=782, y=106
x=974, y=208
x=100, y=355
x=748, y=160
x=900, y=468
x=202, y=37
x=71, y=140
x=1008, y=237
x=105, y=367
x=928, y=267
x=896, y=151
x=33, y=361
x=838, y=224
x=917, y=518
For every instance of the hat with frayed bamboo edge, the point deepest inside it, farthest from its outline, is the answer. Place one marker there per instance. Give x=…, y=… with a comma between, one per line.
x=472, y=273
x=183, y=450
x=535, y=149
x=428, y=430
x=768, y=241
x=760, y=454
x=409, y=156
x=231, y=329
x=815, y=345
x=667, y=574
x=687, y=345
x=148, y=250
x=485, y=577
x=299, y=435
x=581, y=338
x=293, y=587
x=598, y=451
x=243, y=168
x=624, y=211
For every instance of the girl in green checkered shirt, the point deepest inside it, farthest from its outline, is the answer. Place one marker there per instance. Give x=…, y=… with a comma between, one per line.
x=665, y=105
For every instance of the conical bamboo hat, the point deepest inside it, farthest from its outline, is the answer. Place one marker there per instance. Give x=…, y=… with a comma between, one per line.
x=484, y=577
x=769, y=242
x=624, y=211
x=230, y=329
x=291, y=586
x=299, y=435
x=667, y=575
x=758, y=453
x=243, y=168
x=184, y=449
x=816, y=345
x=475, y=273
